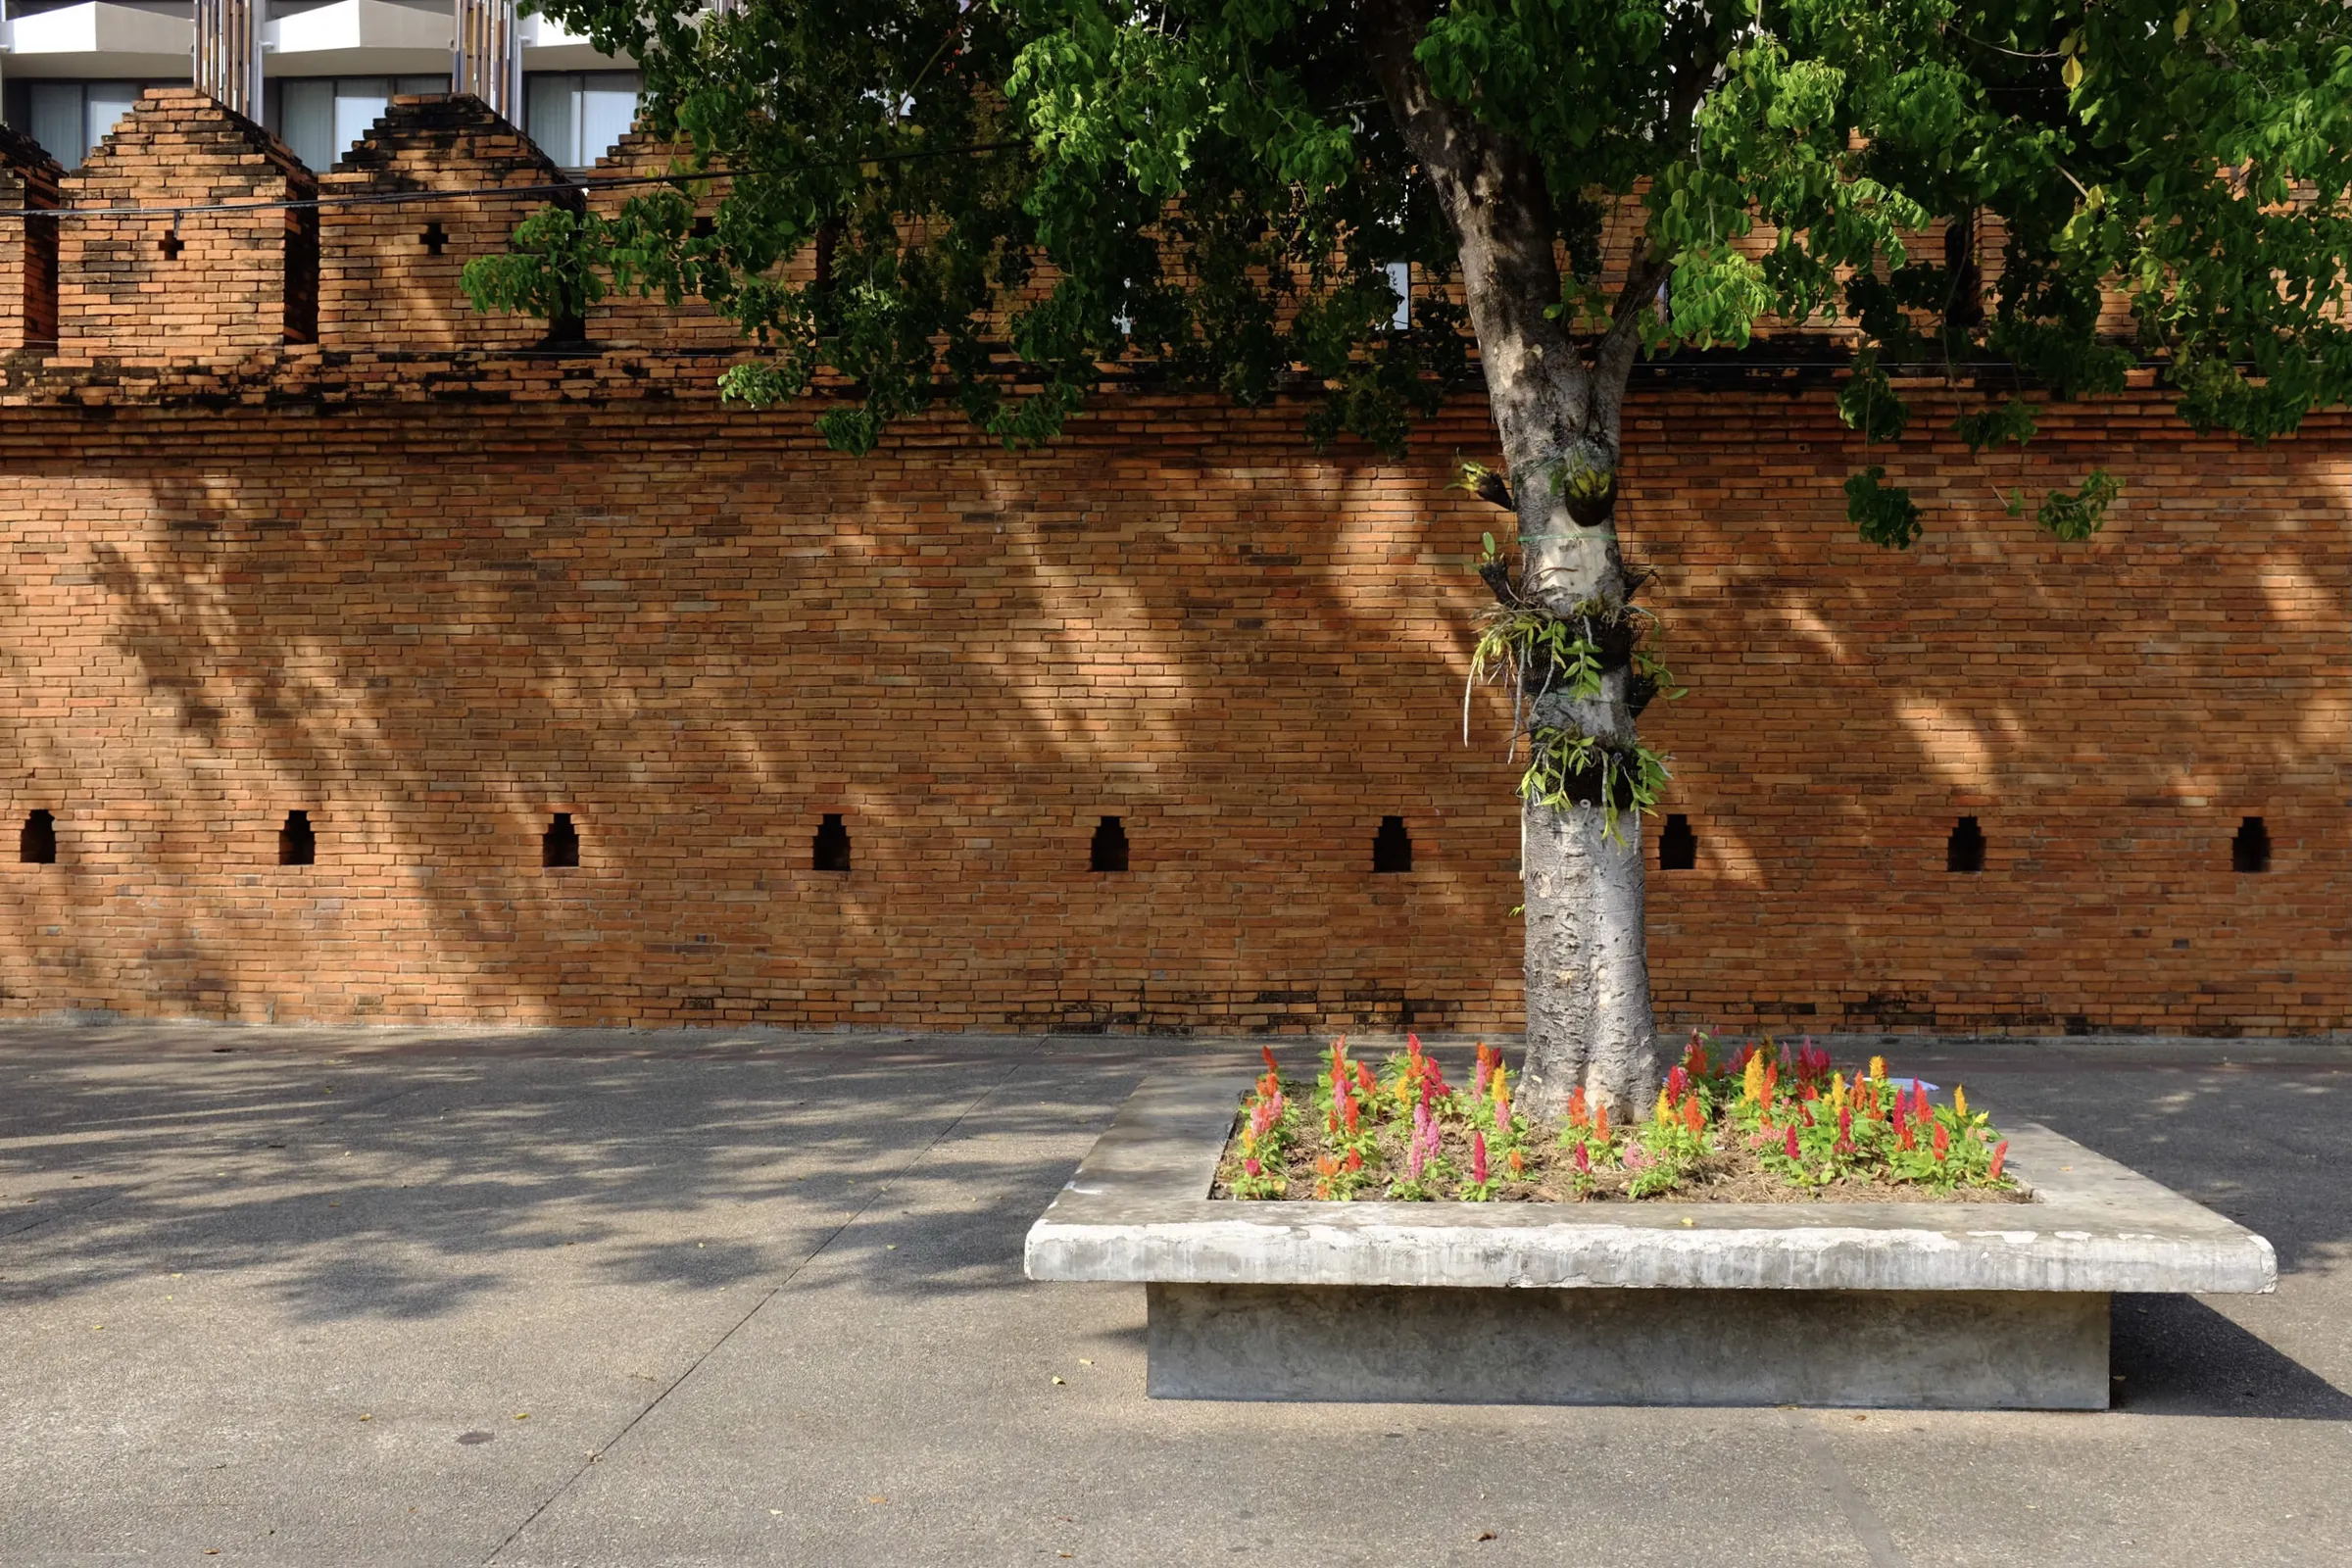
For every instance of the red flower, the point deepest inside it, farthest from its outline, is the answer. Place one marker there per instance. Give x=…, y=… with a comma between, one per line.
x=1356, y=1160
x=2000, y=1154
x=1478, y=1157
x=1693, y=1118
x=1678, y=1083
x=1845, y=1127
x=1581, y=1160
x=1267, y=1051
x=1944, y=1142
x=1790, y=1148
x=1364, y=1079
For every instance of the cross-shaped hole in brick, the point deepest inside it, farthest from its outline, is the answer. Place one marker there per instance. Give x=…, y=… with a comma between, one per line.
x=434, y=236
x=172, y=244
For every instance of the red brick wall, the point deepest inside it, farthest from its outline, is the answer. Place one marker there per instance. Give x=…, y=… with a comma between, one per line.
x=29, y=179
x=431, y=587
x=383, y=282
x=170, y=279
x=431, y=627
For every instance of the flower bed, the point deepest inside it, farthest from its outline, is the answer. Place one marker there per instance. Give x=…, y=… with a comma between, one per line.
x=1764, y=1124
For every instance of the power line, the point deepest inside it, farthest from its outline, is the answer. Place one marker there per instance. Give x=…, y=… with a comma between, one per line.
x=407, y=198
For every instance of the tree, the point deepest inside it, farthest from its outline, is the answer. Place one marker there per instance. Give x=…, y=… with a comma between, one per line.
x=1001, y=197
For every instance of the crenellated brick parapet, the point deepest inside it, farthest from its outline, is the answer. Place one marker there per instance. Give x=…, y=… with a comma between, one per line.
x=28, y=180
x=208, y=259
x=389, y=268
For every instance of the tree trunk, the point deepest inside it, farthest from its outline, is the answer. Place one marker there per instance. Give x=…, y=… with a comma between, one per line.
x=1589, y=1019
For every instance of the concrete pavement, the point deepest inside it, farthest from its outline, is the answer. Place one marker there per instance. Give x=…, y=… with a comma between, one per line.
x=444, y=1296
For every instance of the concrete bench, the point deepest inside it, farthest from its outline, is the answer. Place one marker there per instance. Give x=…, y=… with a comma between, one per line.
x=1886, y=1305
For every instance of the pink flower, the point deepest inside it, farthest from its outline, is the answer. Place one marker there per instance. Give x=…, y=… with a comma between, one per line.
x=1581, y=1160
x=2000, y=1154
x=1254, y=1167
x=1789, y=1149
x=1478, y=1157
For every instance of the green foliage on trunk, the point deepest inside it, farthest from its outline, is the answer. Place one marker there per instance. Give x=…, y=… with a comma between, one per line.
x=1010, y=199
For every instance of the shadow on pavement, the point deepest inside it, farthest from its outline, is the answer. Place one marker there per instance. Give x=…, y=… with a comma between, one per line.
x=2175, y=1355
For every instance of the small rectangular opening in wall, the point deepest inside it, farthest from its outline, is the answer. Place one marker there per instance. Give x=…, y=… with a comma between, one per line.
x=1678, y=845
x=1110, y=850
x=40, y=272
x=302, y=275
x=1392, y=847
x=297, y=844
x=832, y=849
x=2250, y=850
x=36, y=843
x=434, y=236
x=560, y=845
x=1964, y=850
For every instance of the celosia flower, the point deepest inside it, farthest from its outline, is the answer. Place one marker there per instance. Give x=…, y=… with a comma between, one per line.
x=1352, y=1118
x=1944, y=1142
x=1960, y=1101
x=1416, y=1151
x=1478, y=1157
x=1678, y=1083
x=2000, y=1154
x=1502, y=1090
x=1693, y=1118
x=1845, y=1125
x=1267, y=1051
x=1878, y=1067
x=1663, y=1112
x=1751, y=1081
x=1578, y=1113
x=1356, y=1160
x=1515, y=1162
x=1790, y=1148
x=1477, y=1078
x=1838, y=1092
x=1581, y=1160
x=1364, y=1079
x=1919, y=1100
x=1600, y=1124
x=1254, y=1167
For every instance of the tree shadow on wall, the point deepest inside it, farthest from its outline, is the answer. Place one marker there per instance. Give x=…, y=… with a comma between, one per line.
x=977, y=655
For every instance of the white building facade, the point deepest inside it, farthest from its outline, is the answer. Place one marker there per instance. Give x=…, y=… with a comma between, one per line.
x=71, y=69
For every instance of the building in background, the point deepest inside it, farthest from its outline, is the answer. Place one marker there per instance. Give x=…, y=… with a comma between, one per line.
x=70, y=71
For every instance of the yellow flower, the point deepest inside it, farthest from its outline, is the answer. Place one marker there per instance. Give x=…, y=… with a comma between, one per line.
x=1878, y=1069
x=1664, y=1110
x=1751, y=1082
x=1960, y=1102
x=1836, y=1093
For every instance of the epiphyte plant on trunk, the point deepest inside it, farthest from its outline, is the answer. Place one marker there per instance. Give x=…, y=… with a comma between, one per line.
x=985, y=203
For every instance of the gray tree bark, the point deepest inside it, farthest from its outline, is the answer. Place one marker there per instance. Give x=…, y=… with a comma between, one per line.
x=1558, y=415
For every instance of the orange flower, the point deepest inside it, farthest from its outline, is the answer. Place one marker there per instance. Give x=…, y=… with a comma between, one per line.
x=1693, y=1117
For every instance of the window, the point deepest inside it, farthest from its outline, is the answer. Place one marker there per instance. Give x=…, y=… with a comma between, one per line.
x=1678, y=845
x=1109, y=852
x=560, y=845
x=1964, y=851
x=36, y=843
x=576, y=116
x=321, y=118
x=297, y=842
x=831, y=851
x=1392, y=847
x=2250, y=850
x=70, y=118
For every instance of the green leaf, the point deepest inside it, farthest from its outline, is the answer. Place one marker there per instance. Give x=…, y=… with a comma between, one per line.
x=2075, y=515
x=1883, y=515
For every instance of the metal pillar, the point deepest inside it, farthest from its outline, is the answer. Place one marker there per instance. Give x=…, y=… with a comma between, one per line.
x=487, y=61
x=228, y=54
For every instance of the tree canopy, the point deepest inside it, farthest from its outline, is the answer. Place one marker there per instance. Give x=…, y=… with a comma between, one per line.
x=1004, y=197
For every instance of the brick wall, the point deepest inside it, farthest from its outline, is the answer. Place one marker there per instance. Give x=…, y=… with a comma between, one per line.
x=433, y=594
x=29, y=179
x=186, y=272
